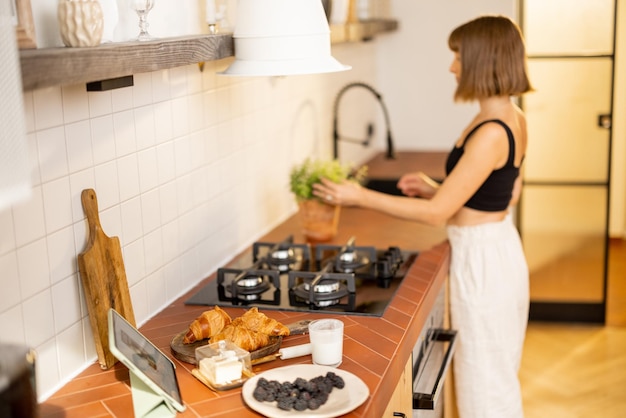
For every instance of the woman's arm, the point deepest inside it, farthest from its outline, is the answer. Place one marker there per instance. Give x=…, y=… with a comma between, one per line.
x=418, y=184
x=486, y=151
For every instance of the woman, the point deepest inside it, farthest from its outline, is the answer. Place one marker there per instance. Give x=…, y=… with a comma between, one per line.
x=488, y=273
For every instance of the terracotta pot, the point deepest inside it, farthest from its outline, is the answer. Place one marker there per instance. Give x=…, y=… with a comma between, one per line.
x=319, y=220
x=80, y=22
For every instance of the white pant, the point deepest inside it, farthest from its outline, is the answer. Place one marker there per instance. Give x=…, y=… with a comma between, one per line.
x=489, y=299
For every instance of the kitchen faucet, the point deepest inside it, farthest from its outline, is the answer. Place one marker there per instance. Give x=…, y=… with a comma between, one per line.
x=370, y=127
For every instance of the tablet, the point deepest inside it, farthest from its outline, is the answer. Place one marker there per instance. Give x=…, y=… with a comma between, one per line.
x=144, y=359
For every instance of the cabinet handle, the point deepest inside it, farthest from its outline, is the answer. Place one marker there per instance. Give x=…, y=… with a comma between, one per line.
x=399, y=414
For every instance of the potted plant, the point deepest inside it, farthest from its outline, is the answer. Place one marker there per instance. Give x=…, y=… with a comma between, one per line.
x=320, y=219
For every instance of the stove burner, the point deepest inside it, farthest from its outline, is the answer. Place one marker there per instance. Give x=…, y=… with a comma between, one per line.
x=349, y=258
x=322, y=288
x=247, y=285
x=284, y=256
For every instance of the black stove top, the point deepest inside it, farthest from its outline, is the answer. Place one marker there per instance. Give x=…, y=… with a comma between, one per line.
x=297, y=277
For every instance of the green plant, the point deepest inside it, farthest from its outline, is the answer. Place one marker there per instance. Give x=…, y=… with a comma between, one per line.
x=305, y=175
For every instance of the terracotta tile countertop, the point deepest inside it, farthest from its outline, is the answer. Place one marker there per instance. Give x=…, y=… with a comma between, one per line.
x=376, y=349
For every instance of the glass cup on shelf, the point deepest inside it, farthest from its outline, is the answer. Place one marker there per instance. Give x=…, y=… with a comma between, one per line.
x=142, y=7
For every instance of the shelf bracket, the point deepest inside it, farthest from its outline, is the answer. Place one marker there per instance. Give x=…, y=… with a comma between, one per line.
x=111, y=83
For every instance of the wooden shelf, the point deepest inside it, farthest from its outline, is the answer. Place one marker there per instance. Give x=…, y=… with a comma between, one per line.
x=48, y=67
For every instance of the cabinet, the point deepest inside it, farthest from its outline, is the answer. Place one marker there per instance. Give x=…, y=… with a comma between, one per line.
x=48, y=67
x=401, y=401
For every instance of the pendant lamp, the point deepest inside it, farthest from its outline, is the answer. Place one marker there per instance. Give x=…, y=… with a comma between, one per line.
x=282, y=37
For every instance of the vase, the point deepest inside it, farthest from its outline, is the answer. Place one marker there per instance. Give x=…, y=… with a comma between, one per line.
x=319, y=220
x=80, y=22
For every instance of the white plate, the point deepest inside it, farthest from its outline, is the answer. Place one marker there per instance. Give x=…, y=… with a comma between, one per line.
x=340, y=401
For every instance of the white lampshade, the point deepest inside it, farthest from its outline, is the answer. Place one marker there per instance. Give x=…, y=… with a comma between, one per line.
x=282, y=37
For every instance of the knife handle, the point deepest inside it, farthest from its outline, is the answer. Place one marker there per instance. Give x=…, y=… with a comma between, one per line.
x=295, y=351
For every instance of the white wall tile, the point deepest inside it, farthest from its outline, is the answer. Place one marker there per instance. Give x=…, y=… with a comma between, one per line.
x=145, y=127
x=153, y=247
x=111, y=221
x=194, y=79
x=134, y=261
x=62, y=254
x=100, y=103
x=180, y=114
x=38, y=318
x=142, y=89
x=29, y=220
x=166, y=160
x=70, y=350
x=78, y=140
x=57, y=203
x=66, y=306
x=163, y=121
x=139, y=296
x=124, y=131
x=33, y=159
x=178, y=82
x=107, y=184
x=150, y=211
x=155, y=286
x=48, y=107
x=161, y=86
x=182, y=155
x=12, y=326
x=122, y=99
x=128, y=173
x=148, y=169
x=7, y=238
x=47, y=369
x=103, y=139
x=78, y=182
x=131, y=219
x=52, y=153
x=10, y=295
x=75, y=103
x=32, y=264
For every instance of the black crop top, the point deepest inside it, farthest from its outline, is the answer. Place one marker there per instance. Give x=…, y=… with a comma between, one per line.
x=495, y=193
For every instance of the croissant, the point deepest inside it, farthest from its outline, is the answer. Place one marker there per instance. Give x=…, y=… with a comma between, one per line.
x=258, y=321
x=242, y=337
x=206, y=325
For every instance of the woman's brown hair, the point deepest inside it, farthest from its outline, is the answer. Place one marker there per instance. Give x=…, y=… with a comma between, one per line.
x=493, y=58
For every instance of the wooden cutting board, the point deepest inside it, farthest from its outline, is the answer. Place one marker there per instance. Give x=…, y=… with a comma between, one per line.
x=103, y=277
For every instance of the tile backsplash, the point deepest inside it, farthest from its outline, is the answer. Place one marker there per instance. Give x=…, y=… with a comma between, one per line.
x=189, y=168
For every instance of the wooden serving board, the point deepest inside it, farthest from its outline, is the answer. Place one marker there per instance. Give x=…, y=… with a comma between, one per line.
x=103, y=277
x=187, y=352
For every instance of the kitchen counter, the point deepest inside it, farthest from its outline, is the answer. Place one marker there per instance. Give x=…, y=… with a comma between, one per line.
x=376, y=349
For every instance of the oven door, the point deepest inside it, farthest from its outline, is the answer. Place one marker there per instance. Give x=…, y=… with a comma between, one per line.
x=429, y=372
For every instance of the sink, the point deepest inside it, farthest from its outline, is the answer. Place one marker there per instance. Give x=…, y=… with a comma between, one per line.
x=384, y=185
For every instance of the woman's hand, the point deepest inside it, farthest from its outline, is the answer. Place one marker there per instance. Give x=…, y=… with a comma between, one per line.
x=417, y=184
x=346, y=193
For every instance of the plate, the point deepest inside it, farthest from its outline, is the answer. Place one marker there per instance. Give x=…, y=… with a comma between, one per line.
x=340, y=401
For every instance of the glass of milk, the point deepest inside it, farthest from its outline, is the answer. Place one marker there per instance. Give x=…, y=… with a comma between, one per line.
x=326, y=336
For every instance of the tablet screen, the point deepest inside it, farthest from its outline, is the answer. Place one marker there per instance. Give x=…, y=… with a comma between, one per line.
x=144, y=358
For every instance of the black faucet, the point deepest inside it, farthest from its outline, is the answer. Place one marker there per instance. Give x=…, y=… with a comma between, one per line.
x=370, y=127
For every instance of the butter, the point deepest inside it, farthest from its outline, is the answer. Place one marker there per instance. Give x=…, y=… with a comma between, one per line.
x=221, y=369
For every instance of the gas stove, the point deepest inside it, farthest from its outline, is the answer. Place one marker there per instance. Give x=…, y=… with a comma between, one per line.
x=287, y=276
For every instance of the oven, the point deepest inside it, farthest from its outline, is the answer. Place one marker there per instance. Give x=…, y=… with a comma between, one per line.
x=347, y=279
x=432, y=356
